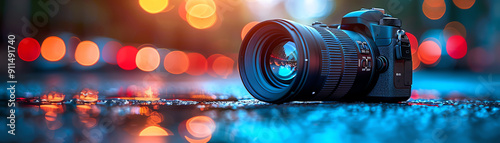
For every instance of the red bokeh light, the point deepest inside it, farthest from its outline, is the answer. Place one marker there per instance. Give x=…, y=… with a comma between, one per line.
x=413, y=42
x=456, y=46
x=28, y=49
x=125, y=58
x=429, y=52
x=197, y=64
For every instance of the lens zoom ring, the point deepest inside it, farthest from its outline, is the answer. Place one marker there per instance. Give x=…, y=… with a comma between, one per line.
x=350, y=63
x=331, y=65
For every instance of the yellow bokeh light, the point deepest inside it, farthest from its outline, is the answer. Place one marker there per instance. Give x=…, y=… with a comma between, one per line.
x=147, y=59
x=87, y=53
x=200, y=8
x=53, y=49
x=201, y=23
x=153, y=6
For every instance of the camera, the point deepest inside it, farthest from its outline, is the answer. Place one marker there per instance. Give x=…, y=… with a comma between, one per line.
x=365, y=58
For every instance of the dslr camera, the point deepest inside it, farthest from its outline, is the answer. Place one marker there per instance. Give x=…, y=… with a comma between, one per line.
x=365, y=58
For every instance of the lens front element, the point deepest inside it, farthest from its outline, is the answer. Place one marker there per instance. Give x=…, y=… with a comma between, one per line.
x=283, y=61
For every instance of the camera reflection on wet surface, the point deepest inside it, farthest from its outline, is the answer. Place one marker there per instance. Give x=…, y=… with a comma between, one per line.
x=121, y=120
x=179, y=111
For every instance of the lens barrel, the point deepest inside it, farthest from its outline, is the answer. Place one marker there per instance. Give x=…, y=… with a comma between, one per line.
x=281, y=61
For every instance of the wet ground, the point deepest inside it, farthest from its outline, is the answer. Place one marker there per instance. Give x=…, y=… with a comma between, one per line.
x=154, y=107
x=114, y=120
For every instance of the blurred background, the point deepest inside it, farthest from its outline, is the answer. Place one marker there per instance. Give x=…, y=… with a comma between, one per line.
x=77, y=61
x=113, y=46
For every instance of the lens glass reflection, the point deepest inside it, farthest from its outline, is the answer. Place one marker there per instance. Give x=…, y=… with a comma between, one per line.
x=283, y=61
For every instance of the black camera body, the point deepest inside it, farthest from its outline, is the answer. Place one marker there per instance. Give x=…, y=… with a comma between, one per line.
x=365, y=58
x=392, y=58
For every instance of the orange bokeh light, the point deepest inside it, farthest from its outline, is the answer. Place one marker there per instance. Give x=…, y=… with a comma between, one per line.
x=147, y=59
x=53, y=48
x=429, y=52
x=87, y=53
x=434, y=9
x=200, y=126
x=210, y=62
x=247, y=28
x=223, y=66
x=153, y=6
x=197, y=64
x=415, y=61
x=176, y=62
x=454, y=28
x=182, y=10
x=155, y=131
x=464, y=4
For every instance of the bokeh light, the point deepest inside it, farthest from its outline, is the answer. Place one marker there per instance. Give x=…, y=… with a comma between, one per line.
x=155, y=131
x=153, y=6
x=182, y=10
x=200, y=126
x=413, y=42
x=71, y=47
x=309, y=9
x=110, y=50
x=210, y=62
x=201, y=23
x=28, y=49
x=454, y=28
x=434, y=9
x=200, y=8
x=223, y=66
x=464, y=4
x=197, y=64
x=53, y=49
x=415, y=61
x=247, y=28
x=176, y=62
x=429, y=52
x=479, y=59
x=456, y=46
x=87, y=53
x=125, y=58
x=147, y=59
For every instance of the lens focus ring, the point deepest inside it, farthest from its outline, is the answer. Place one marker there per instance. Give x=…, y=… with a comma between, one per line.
x=339, y=63
x=331, y=66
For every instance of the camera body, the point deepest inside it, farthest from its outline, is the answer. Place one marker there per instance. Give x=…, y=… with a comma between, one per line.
x=390, y=58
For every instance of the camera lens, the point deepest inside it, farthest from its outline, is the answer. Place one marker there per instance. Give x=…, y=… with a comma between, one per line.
x=282, y=61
